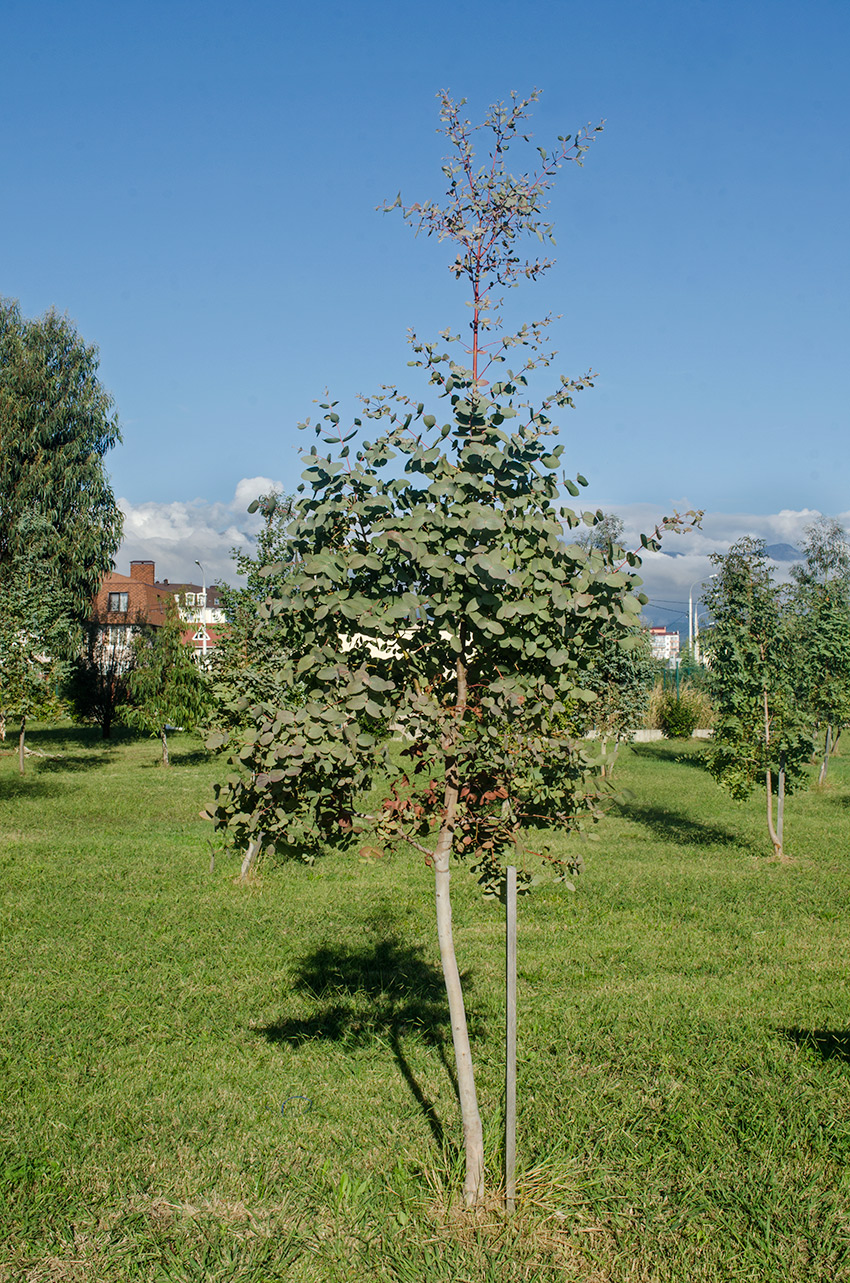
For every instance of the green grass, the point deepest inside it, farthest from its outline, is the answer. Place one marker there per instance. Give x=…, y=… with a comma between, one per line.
x=207, y=1081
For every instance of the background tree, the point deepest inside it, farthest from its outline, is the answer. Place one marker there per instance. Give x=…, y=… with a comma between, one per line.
x=759, y=732
x=57, y=424
x=245, y=665
x=605, y=535
x=97, y=684
x=819, y=606
x=33, y=633
x=442, y=597
x=166, y=689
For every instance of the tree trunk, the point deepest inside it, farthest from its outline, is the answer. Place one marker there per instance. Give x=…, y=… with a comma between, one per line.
x=774, y=836
x=780, y=805
x=21, y=741
x=164, y=735
x=250, y=856
x=825, y=762
x=473, y=1135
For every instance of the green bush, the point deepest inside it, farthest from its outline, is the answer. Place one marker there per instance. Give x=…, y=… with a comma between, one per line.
x=679, y=715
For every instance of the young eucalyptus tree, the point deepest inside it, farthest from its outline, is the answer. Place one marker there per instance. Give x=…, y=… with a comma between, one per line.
x=436, y=596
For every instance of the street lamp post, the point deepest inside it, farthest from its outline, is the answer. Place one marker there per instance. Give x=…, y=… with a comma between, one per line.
x=203, y=615
x=693, y=621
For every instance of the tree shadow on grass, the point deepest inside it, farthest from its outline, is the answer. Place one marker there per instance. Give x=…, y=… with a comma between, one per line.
x=682, y=752
x=62, y=761
x=381, y=990
x=29, y=788
x=676, y=827
x=829, y=1044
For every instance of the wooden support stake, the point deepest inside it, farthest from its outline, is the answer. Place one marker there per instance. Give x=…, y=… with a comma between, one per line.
x=510, y=1046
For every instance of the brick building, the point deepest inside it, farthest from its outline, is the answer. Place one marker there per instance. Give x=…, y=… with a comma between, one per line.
x=124, y=602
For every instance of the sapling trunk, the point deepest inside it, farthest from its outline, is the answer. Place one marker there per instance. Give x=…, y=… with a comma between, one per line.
x=825, y=762
x=21, y=743
x=473, y=1135
x=251, y=855
x=775, y=837
x=164, y=736
x=780, y=805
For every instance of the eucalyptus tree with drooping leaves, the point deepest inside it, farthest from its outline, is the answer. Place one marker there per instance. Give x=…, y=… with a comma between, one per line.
x=442, y=619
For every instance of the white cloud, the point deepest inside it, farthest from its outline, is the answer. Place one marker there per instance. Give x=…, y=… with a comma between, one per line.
x=668, y=579
x=176, y=535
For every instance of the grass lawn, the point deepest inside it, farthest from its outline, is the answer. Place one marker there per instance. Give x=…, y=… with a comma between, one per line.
x=208, y=1081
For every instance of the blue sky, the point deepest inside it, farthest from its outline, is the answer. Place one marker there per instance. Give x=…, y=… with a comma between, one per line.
x=195, y=185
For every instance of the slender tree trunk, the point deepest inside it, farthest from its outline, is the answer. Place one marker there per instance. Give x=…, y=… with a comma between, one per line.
x=473, y=1136
x=774, y=836
x=21, y=743
x=825, y=762
x=251, y=855
x=780, y=805
x=164, y=736
x=2, y=726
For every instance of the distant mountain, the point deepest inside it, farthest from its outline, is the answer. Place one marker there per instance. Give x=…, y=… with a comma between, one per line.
x=776, y=552
x=783, y=552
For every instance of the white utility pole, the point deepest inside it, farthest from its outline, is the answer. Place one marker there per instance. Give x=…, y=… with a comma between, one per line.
x=203, y=616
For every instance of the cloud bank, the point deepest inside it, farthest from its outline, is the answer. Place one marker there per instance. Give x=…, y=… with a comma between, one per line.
x=175, y=535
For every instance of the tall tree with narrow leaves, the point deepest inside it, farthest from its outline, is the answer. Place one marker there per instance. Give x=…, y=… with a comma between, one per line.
x=437, y=596
x=58, y=423
x=34, y=630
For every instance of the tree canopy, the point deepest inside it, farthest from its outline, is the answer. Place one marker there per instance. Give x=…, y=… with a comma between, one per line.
x=760, y=731
x=166, y=690
x=58, y=423
x=439, y=612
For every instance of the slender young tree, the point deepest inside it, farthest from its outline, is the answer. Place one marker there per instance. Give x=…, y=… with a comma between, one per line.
x=759, y=732
x=165, y=688
x=819, y=606
x=245, y=665
x=437, y=595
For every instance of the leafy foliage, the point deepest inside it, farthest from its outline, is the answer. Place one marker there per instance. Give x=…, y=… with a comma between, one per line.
x=33, y=632
x=56, y=503
x=679, y=715
x=166, y=689
x=819, y=621
x=97, y=685
x=245, y=665
x=760, y=732
x=432, y=592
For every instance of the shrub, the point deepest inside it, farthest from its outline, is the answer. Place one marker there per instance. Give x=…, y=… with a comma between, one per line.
x=679, y=715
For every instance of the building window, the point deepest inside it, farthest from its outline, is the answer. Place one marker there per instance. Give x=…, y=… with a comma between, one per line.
x=119, y=601
x=190, y=599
